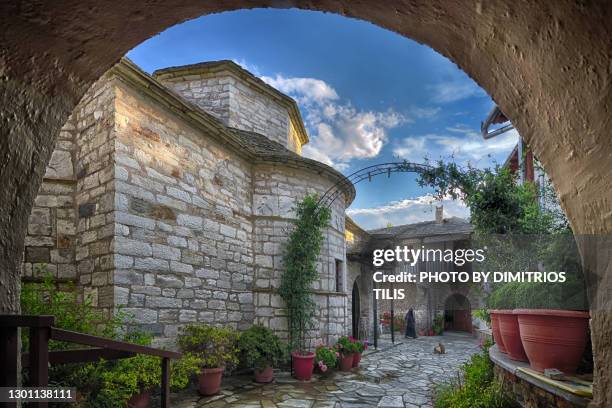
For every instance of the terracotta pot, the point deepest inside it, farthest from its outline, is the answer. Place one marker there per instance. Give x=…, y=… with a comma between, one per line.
x=496, y=333
x=356, y=360
x=303, y=365
x=421, y=332
x=553, y=338
x=510, y=334
x=264, y=376
x=346, y=362
x=209, y=382
x=431, y=332
x=142, y=400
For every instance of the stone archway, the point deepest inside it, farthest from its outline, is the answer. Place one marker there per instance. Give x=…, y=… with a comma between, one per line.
x=53, y=51
x=457, y=313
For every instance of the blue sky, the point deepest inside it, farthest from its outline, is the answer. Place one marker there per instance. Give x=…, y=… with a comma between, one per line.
x=367, y=96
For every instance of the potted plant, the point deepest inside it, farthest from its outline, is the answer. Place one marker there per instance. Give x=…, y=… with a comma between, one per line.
x=438, y=325
x=504, y=298
x=347, y=347
x=326, y=358
x=261, y=350
x=494, y=313
x=360, y=346
x=300, y=260
x=216, y=350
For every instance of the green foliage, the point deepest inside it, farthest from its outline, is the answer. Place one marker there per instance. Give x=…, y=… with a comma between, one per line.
x=260, y=348
x=215, y=347
x=326, y=357
x=482, y=314
x=438, y=325
x=46, y=298
x=347, y=345
x=108, y=383
x=475, y=387
x=300, y=273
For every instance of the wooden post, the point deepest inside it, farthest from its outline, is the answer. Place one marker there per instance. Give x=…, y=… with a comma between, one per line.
x=8, y=359
x=165, y=383
x=39, y=360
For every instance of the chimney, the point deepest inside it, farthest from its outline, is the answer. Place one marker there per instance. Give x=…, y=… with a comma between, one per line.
x=439, y=214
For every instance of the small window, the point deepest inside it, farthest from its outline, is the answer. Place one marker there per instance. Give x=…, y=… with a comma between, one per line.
x=339, y=270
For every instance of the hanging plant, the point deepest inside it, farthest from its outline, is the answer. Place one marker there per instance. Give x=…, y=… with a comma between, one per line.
x=300, y=273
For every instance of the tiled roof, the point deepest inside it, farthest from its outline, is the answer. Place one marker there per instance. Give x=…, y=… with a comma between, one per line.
x=450, y=226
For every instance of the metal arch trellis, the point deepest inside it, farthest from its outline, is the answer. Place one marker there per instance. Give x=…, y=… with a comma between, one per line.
x=367, y=173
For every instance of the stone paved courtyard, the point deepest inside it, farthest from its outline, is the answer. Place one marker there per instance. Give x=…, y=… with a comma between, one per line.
x=403, y=375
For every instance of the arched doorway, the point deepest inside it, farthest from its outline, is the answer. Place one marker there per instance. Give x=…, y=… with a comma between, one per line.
x=457, y=313
x=355, y=310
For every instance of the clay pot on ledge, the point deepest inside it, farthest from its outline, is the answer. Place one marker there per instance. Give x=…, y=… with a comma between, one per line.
x=209, y=382
x=346, y=362
x=495, y=329
x=553, y=338
x=303, y=364
x=510, y=334
x=140, y=400
x=264, y=376
x=356, y=360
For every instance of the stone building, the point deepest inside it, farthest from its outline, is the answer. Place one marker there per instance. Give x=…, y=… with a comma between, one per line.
x=171, y=195
x=453, y=301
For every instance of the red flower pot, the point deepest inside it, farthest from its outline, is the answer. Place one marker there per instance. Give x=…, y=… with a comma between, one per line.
x=264, y=376
x=346, y=362
x=356, y=359
x=303, y=365
x=141, y=400
x=431, y=332
x=511, y=337
x=553, y=338
x=209, y=382
x=496, y=333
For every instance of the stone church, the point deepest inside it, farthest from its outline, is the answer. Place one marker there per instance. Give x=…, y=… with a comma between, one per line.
x=170, y=195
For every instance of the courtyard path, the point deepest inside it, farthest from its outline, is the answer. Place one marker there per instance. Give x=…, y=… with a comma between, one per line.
x=403, y=375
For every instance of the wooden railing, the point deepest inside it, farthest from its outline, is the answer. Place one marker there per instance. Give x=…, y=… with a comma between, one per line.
x=39, y=357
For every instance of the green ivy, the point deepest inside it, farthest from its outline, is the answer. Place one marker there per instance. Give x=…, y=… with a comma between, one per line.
x=300, y=273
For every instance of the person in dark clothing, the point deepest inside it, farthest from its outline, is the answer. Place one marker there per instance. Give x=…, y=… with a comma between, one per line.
x=410, y=324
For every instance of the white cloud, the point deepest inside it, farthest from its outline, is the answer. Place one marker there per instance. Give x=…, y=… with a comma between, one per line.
x=339, y=132
x=407, y=211
x=455, y=90
x=307, y=90
x=463, y=143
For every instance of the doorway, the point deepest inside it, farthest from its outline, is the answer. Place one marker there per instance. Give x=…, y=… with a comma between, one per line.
x=457, y=313
x=356, y=310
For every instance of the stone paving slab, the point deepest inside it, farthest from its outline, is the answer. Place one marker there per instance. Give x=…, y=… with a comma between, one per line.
x=403, y=375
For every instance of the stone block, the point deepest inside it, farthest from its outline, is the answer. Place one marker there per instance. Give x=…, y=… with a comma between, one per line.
x=166, y=252
x=128, y=277
x=131, y=247
x=141, y=315
x=168, y=281
x=60, y=166
x=163, y=302
x=37, y=254
x=180, y=267
x=189, y=221
x=151, y=264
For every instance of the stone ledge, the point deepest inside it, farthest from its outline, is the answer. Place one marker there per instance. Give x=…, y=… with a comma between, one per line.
x=545, y=394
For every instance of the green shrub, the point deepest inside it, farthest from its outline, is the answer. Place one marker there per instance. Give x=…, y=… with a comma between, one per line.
x=475, y=387
x=326, y=358
x=347, y=345
x=260, y=348
x=214, y=346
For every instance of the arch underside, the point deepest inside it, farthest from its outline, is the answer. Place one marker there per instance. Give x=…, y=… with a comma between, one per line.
x=546, y=65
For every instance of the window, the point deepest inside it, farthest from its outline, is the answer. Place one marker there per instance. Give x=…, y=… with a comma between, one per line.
x=339, y=275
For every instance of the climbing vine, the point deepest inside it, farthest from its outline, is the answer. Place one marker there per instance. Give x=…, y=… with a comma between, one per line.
x=300, y=273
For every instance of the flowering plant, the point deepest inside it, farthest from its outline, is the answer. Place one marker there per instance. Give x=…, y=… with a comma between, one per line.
x=361, y=345
x=326, y=357
x=347, y=345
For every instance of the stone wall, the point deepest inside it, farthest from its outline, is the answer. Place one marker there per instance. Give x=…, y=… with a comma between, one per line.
x=184, y=236
x=276, y=190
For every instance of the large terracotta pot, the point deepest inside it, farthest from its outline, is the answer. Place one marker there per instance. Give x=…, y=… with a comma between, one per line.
x=209, y=382
x=141, y=400
x=510, y=334
x=346, y=362
x=356, y=360
x=496, y=333
x=264, y=376
x=553, y=338
x=303, y=365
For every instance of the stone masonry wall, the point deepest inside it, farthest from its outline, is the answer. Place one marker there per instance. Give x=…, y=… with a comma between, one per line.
x=236, y=104
x=183, y=206
x=276, y=190
x=50, y=239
